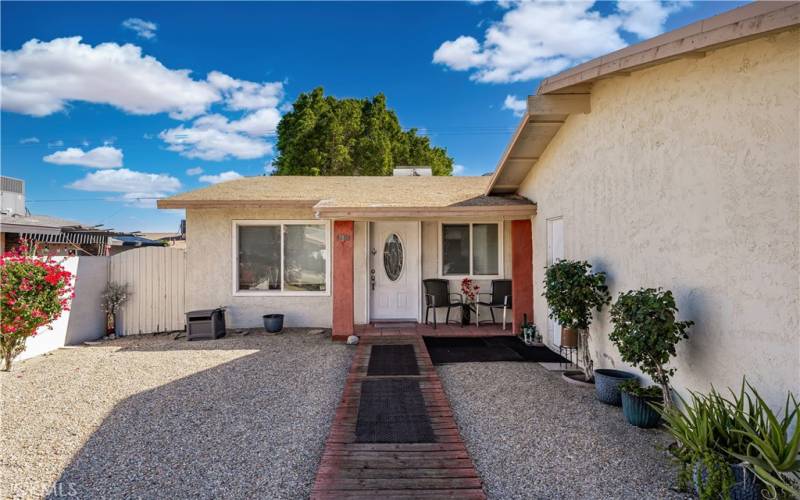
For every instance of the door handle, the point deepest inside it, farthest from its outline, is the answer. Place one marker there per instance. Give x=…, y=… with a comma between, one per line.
x=372, y=279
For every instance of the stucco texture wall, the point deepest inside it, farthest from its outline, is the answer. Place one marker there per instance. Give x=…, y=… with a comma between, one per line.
x=209, y=268
x=687, y=176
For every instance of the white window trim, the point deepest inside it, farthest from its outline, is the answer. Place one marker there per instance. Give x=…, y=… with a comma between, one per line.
x=236, y=223
x=500, y=251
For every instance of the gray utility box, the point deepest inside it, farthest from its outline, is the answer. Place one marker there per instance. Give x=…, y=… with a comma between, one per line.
x=205, y=324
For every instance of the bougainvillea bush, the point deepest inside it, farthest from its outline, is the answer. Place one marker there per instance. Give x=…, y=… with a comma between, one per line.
x=34, y=291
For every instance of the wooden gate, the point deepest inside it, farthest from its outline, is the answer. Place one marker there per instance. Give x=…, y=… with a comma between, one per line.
x=155, y=278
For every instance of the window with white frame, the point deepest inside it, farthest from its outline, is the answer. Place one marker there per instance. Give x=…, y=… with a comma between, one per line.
x=281, y=257
x=471, y=249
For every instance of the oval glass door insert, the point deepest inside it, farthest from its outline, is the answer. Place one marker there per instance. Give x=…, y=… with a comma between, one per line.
x=393, y=257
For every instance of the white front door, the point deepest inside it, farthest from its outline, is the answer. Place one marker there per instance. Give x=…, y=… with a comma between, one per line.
x=394, y=270
x=555, y=251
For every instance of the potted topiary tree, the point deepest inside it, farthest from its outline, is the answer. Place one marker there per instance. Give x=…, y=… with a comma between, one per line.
x=34, y=291
x=572, y=290
x=646, y=333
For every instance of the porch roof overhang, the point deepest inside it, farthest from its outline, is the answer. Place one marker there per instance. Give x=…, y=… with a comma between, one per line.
x=506, y=212
x=367, y=198
x=569, y=92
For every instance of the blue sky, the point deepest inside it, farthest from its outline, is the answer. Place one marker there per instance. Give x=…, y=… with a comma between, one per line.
x=98, y=128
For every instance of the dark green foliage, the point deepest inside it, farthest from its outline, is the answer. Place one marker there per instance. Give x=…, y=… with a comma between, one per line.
x=646, y=333
x=323, y=135
x=632, y=387
x=572, y=291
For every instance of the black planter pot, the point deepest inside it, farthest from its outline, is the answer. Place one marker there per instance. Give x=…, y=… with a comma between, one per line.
x=273, y=323
x=638, y=412
x=745, y=485
x=606, y=385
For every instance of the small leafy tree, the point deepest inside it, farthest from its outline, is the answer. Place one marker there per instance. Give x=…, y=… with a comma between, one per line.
x=646, y=333
x=572, y=290
x=34, y=291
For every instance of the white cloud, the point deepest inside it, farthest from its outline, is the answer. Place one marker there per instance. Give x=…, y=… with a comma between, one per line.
x=223, y=177
x=194, y=171
x=258, y=123
x=461, y=54
x=515, y=104
x=647, y=19
x=215, y=137
x=458, y=169
x=135, y=188
x=142, y=28
x=29, y=140
x=538, y=39
x=244, y=95
x=55, y=144
x=210, y=139
x=269, y=168
x=41, y=78
x=102, y=157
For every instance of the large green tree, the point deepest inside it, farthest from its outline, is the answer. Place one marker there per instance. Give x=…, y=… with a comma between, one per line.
x=323, y=135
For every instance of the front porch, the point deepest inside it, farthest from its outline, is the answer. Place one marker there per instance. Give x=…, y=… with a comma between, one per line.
x=421, y=329
x=379, y=267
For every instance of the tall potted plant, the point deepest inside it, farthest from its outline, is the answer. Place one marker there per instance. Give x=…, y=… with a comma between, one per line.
x=572, y=290
x=646, y=333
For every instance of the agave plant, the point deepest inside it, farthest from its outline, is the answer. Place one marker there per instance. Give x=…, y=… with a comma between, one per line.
x=773, y=444
x=714, y=432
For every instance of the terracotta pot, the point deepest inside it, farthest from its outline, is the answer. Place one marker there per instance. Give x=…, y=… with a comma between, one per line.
x=569, y=338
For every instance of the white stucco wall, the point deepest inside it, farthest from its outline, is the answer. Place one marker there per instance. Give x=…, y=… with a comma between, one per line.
x=85, y=320
x=209, y=272
x=687, y=176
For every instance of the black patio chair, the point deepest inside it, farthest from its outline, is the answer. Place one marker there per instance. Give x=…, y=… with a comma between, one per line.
x=500, y=298
x=437, y=296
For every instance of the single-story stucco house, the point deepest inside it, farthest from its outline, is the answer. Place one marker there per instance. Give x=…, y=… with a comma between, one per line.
x=672, y=163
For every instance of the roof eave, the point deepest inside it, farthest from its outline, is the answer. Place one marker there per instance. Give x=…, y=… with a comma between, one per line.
x=181, y=203
x=735, y=26
x=520, y=211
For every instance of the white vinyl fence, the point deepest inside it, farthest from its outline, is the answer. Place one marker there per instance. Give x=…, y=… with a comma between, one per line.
x=155, y=278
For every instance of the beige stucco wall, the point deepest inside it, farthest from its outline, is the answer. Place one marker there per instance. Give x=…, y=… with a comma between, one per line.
x=686, y=176
x=209, y=268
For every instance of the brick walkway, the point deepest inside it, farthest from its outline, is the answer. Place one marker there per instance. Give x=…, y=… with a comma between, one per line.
x=442, y=469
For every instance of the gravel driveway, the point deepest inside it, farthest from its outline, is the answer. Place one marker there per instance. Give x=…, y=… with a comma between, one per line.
x=532, y=435
x=238, y=417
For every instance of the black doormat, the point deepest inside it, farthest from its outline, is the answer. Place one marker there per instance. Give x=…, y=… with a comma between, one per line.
x=392, y=360
x=444, y=350
x=392, y=411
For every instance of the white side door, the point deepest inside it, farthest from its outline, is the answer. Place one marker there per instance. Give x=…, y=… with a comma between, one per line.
x=394, y=264
x=555, y=251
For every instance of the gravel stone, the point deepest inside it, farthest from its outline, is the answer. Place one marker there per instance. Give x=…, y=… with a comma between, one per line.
x=532, y=435
x=147, y=417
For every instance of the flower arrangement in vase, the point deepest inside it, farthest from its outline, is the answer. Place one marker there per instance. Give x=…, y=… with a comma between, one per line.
x=469, y=290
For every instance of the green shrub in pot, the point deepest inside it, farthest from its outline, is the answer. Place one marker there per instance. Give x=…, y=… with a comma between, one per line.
x=640, y=405
x=572, y=290
x=646, y=333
